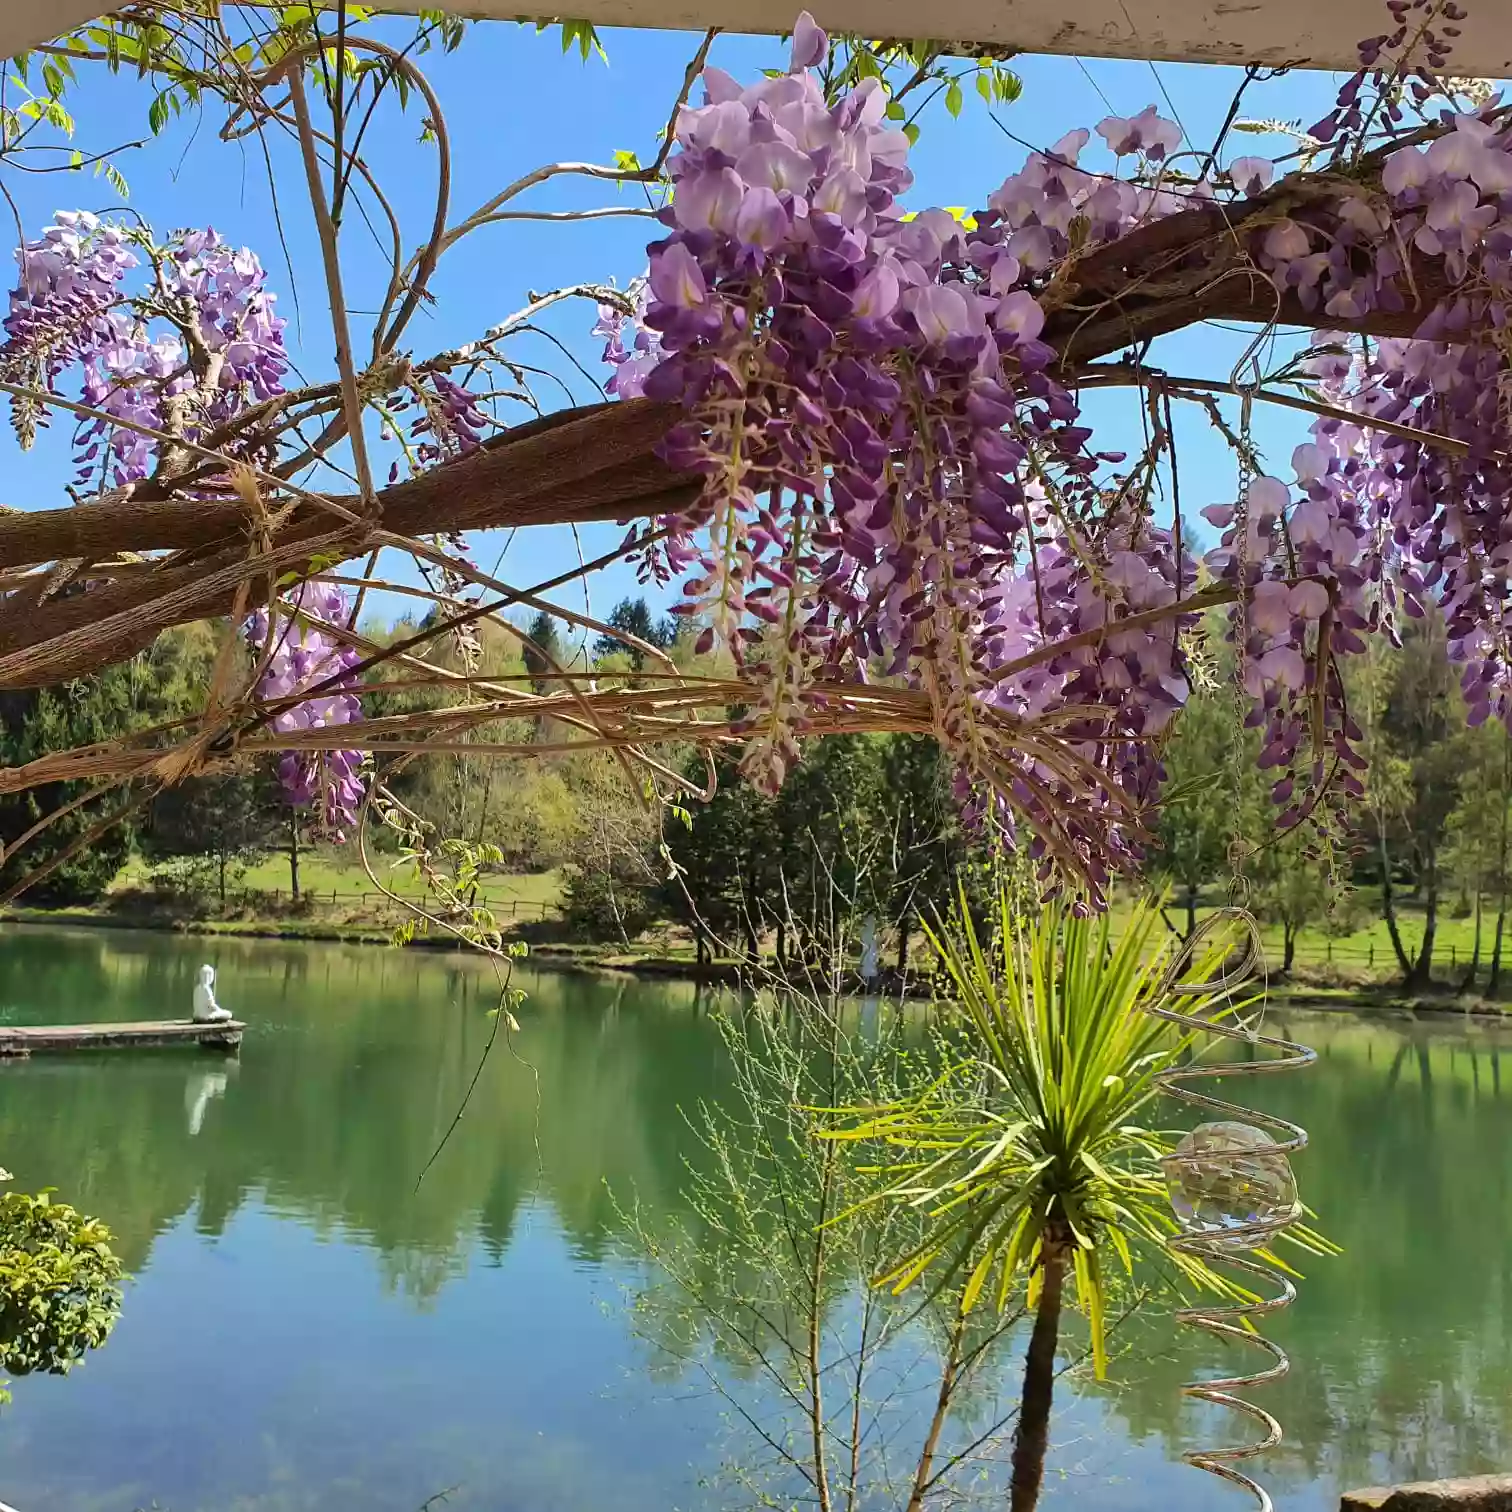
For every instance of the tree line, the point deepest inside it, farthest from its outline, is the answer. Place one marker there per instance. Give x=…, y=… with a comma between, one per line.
x=1431, y=834
x=866, y=827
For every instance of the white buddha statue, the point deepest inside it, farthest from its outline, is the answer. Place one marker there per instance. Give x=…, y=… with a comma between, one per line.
x=871, y=950
x=206, y=1009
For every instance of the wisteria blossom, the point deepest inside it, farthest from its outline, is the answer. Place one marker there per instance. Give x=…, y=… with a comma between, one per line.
x=186, y=353
x=899, y=480
x=631, y=347
x=300, y=657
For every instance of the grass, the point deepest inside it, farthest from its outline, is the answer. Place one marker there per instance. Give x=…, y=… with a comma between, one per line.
x=339, y=897
x=1366, y=949
x=335, y=878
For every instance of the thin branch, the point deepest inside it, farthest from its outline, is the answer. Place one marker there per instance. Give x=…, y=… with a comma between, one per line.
x=646, y=175
x=351, y=401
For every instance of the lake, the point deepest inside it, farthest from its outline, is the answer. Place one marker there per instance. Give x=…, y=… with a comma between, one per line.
x=309, y=1328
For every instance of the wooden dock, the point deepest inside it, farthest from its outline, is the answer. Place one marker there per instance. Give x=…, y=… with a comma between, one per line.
x=17, y=1042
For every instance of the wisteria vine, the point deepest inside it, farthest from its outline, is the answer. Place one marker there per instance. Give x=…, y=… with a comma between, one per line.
x=298, y=655
x=900, y=482
x=185, y=355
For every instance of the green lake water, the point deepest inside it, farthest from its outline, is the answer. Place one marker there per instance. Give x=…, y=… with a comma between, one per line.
x=307, y=1329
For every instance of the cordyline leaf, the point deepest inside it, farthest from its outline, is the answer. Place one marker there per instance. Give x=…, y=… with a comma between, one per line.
x=977, y=1281
x=1031, y=1136
x=1092, y=1299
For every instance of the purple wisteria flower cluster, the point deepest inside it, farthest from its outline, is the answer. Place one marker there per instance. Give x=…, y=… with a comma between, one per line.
x=896, y=474
x=299, y=655
x=899, y=479
x=631, y=347
x=183, y=354
x=449, y=420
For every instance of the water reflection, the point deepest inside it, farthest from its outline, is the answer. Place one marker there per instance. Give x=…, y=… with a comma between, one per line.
x=353, y=1068
x=1402, y=1348
x=359, y=1341
x=198, y=1090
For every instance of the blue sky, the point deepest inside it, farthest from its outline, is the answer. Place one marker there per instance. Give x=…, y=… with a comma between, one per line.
x=512, y=101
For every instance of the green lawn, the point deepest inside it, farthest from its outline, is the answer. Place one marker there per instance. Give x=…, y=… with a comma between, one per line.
x=1367, y=948
x=336, y=878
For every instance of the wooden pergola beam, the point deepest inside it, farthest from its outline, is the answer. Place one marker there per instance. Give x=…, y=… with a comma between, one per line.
x=598, y=463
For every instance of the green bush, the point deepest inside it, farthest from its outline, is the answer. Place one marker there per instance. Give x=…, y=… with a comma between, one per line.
x=59, y=1285
x=596, y=906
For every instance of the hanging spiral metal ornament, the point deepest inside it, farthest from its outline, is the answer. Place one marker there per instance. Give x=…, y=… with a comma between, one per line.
x=1232, y=1187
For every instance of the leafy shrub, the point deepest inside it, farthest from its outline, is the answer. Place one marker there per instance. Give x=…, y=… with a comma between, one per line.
x=596, y=906
x=59, y=1285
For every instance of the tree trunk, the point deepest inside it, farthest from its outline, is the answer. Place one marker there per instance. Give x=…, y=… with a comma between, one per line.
x=748, y=916
x=1289, y=933
x=781, y=945
x=1191, y=911
x=220, y=864
x=1494, y=980
x=1032, y=1437
x=949, y=1376
x=1475, y=951
x=1422, y=968
x=1388, y=910
x=294, y=857
x=905, y=920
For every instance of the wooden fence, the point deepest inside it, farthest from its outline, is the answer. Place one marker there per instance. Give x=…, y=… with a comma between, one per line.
x=503, y=908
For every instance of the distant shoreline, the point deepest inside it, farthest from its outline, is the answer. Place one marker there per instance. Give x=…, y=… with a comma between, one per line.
x=1364, y=1002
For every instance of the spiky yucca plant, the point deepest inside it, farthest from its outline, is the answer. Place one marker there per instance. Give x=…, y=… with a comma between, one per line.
x=1032, y=1151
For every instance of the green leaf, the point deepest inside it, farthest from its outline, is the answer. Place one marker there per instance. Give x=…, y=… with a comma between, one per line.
x=58, y=116
x=984, y=86
x=911, y=131
x=953, y=97
x=1181, y=791
x=157, y=113
x=583, y=34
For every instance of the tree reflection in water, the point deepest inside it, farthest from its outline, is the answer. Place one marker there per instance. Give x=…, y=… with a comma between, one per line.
x=357, y=1060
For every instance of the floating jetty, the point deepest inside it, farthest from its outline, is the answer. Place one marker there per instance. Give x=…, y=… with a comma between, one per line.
x=17, y=1042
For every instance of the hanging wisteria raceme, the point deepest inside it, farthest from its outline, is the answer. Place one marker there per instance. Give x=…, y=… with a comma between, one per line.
x=631, y=347
x=450, y=421
x=183, y=354
x=297, y=656
x=898, y=479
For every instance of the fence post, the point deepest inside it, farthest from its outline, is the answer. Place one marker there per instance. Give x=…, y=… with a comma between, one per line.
x=1453, y=956
x=1330, y=949
x=1372, y=952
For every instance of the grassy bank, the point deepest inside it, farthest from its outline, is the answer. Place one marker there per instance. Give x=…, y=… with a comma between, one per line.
x=1342, y=966
x=1357, y=948
x=674, y=958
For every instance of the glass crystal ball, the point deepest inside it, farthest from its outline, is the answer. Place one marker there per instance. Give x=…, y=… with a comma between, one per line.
x=1231, y=1181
